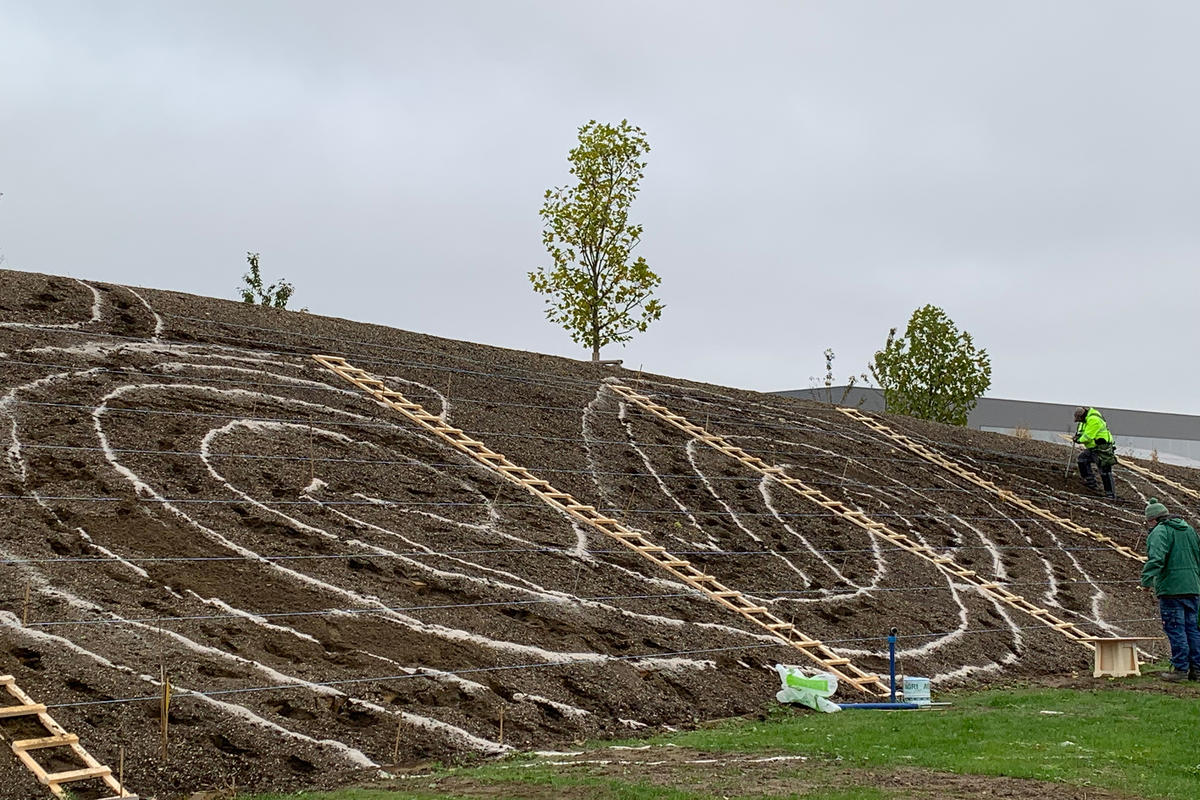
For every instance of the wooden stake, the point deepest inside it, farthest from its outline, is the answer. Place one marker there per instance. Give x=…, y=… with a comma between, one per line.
x=25, y=611
x=164, y=708
x=501, y=725
x=121, y=770
x=311, y=475
x=396, y=747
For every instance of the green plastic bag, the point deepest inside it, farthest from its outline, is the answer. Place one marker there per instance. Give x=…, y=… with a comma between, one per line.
x=808, y=690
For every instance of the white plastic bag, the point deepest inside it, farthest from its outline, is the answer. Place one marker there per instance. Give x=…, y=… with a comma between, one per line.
x=809, y=690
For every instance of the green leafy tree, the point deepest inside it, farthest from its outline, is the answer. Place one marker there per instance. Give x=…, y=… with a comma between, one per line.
x=593, y=290
x=276, y=295
x=934, y=371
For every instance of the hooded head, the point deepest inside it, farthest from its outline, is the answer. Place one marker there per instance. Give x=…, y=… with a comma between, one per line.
x=1081, y=414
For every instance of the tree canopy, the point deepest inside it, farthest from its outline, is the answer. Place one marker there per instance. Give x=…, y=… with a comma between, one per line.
x=934, y=371
x=592, y=289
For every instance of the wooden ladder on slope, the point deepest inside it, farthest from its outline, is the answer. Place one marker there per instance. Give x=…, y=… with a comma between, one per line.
x=934, y=457
x=682, y=569
x=1154, y=476
x=944, y=563
x=58, y=737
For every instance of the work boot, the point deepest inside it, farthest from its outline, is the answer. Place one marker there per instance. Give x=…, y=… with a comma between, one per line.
x=1194, y=674
x=1176, y=675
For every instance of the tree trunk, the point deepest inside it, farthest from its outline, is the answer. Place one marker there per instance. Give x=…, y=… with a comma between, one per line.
x=595, y=352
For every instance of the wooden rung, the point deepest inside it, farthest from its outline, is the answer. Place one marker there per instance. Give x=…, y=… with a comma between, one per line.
x=836, y=662
x=47, y=741
x=579, y=507
x=1037, y=612
x=779, y=626
x=22, y=710
x=725, y=594
x=703, y=578
x=71, y=776
x=863, y=679
x=5, y=680
x=753, y=610
x=675, y=563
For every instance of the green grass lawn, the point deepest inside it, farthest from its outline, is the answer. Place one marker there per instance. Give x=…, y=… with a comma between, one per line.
x=1124, y=738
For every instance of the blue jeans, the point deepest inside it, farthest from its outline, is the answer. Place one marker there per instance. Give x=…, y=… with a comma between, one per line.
x=1179, y=622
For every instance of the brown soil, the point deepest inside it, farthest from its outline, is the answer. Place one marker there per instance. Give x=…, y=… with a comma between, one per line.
x=176, y=464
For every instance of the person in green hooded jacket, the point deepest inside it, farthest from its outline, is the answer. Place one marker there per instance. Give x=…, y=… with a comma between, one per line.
x=1091, y=431
x=1172, y=570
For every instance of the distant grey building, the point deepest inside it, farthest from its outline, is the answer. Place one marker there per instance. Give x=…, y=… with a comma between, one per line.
x=1175, y=437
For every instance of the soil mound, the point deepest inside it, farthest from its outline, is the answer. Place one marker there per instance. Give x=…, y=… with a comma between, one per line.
x=331, y=590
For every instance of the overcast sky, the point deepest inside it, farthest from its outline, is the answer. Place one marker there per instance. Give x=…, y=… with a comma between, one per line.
x=818, y=170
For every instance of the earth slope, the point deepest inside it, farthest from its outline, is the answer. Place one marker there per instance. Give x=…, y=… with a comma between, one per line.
x=330, y=590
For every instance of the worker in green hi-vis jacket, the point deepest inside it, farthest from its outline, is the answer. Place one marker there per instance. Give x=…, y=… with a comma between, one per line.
x=1098, y=448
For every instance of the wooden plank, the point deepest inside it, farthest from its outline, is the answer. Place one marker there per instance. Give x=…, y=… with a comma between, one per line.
x=58, y=740
x=71, y=776
x=26, y=710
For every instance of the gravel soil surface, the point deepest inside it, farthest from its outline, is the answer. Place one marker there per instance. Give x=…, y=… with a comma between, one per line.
x=331, y=590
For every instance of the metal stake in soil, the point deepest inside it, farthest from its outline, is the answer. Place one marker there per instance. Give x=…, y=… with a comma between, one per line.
x=1070, y=458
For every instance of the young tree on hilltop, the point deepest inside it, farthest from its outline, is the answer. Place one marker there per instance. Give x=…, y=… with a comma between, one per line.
x=934, y=372
x=592, y=289
x=276, y=295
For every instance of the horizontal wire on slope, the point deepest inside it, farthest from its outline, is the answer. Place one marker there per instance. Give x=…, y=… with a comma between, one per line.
x=569, y=384
x=337, y=612
x=435, y=674
x=314, y=421
x=883, y=548
x=387, y=502
x=472, y=466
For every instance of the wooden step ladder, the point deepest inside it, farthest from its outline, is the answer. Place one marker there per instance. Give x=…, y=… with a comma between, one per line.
x=58, y=737
x=934, y=457
x=815, y=650
x=903, y=541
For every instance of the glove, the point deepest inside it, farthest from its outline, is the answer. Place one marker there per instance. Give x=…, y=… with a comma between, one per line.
x=1075, y=438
